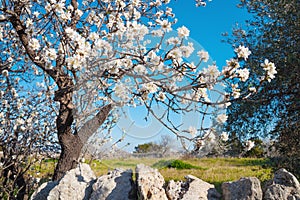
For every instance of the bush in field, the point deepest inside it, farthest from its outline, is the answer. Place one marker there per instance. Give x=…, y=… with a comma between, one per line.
x=179, y=164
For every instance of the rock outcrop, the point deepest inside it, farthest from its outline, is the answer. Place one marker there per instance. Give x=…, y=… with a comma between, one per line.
x=76, y=184
x=149, y=183
x=81, y=184
x=116, y=185
x=245, y=188
x=43, y=191
x=284, y=186
x=192, y=188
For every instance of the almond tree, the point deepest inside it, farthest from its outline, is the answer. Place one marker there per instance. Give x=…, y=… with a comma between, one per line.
x=100, y=55
x=26, y=134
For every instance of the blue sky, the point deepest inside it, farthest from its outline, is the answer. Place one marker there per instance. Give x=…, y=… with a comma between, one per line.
x=206, y=25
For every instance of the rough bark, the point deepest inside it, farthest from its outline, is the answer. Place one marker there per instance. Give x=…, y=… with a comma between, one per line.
x=72, y=143
x=71, y=146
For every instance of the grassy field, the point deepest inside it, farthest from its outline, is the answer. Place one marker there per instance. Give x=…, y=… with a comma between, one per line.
x=212, y=170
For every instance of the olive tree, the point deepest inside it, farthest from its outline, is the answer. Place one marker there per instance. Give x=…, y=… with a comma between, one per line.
x=274, y=110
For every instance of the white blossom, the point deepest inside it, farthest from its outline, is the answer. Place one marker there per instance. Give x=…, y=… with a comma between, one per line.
x=5, y=73
x=243, y=52
x=36, y=13
x=192, y=130
x=222, y=118
x=252, y=89
x=48, y=7
x=74, y=62
x=243, y=74
x=161, y=96
x=2, y=17
x=173, y=41
x=224, y=137
x=51, y=54
x=212, y=73
x=186, y=51
x=58, y=7
x=176, y=55
x=235, y=91
x=203, y=55
x=78, y=12
x=65, y=16
x=157, y=33
x=183, y=32
x=20, y=121
x=270, y=68
x=29, y=23
x=120, y=91
x=93, y=36
x=150, y=87
x=249, y=145
x=165, y=25
x=34, y=44
x=140, y=69
x=72, y=34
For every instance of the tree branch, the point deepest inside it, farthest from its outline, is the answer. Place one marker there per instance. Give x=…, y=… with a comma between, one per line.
x=91, y=126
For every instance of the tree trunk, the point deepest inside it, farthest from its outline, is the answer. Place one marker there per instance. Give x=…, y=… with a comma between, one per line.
x=72, y=143
x=71, y=146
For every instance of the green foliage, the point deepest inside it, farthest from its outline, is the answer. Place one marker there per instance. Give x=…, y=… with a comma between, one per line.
x=179, y=164
x=146, y=148
x=176, y=164
x=161, y=164
x=274, y=110
x=258, y=150
x=235, y=146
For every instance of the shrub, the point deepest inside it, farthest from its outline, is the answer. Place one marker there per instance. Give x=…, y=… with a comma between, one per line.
x=178, y=164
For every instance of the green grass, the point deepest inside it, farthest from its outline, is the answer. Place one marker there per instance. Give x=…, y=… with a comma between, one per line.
x=212, y=170
x=179, y=164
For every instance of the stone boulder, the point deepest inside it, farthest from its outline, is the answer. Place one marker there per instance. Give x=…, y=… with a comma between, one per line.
x=149, y=183
x=192, y=188
x=74, y=185
x=43, y=191
x=116, y=185
x=243, y=189
x=284, y=186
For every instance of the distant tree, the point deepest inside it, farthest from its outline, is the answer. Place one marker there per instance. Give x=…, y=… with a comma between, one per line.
x=147, y=148
x=235, y=147
x=165, y=143
x=274, y=110
x=162, y=147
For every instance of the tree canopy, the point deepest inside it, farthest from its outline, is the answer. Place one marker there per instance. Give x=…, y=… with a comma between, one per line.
x=273, y=111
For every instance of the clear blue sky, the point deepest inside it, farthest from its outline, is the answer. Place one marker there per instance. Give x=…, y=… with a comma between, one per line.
x=206, y=25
